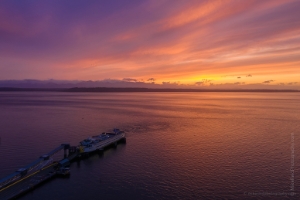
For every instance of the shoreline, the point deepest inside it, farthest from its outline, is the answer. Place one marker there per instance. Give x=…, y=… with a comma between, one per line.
x=106, y=89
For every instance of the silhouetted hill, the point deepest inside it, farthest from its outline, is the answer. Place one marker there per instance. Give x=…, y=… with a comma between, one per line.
x=106, y=89
x=103, y=89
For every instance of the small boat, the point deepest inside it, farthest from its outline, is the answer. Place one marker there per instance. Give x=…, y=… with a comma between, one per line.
x=98, y=142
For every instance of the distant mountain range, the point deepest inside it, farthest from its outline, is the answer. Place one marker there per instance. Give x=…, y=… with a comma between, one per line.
x=111, y=85
x=106, y=89
x=28, y=83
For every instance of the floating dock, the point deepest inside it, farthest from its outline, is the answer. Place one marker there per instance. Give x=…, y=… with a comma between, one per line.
x=38, y=172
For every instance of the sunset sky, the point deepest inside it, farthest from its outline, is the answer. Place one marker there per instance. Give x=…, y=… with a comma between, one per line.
x=195, y=43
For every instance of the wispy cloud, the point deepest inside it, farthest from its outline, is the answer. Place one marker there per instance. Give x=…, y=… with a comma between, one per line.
x=130, y=79
x=239, y=83
x=268, y=81
x=151, y=79
x=203, y=82
x=187, y=41
x=292, y=83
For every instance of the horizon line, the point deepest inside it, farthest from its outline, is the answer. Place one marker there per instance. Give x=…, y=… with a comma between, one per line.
x=135, y=89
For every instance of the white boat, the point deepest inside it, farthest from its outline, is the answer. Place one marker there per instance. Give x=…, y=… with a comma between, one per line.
x=98, y=142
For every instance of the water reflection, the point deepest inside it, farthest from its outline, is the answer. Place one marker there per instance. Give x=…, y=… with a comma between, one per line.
x=179, y=145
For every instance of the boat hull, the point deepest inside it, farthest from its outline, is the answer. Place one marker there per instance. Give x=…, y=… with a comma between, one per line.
x=102, y=144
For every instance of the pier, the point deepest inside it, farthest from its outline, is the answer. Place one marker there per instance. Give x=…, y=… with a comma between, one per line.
x=39, y=171
x=46, y=167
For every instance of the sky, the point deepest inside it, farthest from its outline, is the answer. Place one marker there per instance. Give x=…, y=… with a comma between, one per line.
x=224, y=43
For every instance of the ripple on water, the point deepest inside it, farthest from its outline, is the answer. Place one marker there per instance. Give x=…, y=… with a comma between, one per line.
x=179, y=145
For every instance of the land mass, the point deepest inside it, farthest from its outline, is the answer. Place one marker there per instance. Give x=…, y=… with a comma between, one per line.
x=107, y=89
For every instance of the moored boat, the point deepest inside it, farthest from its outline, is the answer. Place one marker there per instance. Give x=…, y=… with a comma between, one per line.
x=98, y=142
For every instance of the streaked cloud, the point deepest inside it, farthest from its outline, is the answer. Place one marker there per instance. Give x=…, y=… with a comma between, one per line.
x=173, y=41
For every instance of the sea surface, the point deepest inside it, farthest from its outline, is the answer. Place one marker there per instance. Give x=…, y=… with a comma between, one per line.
x=179, y=145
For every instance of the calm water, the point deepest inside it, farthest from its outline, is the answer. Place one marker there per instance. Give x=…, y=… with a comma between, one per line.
x=179, y=145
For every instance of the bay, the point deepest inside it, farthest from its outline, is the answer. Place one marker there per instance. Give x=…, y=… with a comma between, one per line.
x=179, y=145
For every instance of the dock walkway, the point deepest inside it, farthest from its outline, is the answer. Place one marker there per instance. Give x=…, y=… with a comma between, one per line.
x=32, y=175
x=41, y=170
x=27, y=183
